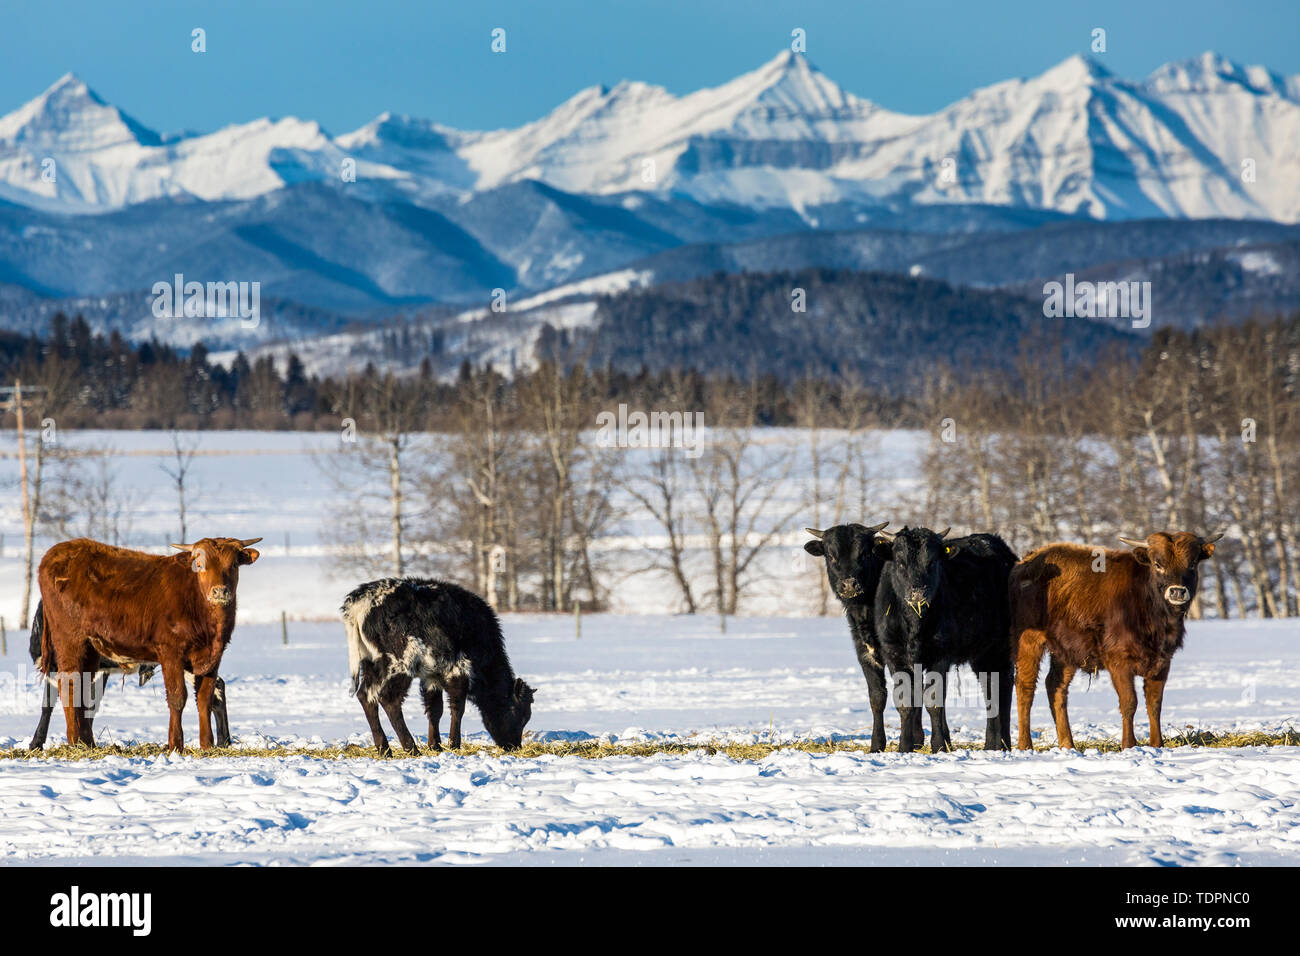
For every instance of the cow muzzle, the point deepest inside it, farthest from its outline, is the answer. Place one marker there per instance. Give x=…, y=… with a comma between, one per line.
x=220, y=595
x=1177, y=595
x=918, y=602
x=849, y=588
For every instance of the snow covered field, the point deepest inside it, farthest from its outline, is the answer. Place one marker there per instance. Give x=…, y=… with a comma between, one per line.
x=637, y=678
x=630, y=677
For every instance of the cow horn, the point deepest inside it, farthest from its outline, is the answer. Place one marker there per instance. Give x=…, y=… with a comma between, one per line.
x=877, y=528
x=814, y=532
x=247, y=541
x=944, y=532
x=181, y=547
x=887, y=535
x=1133, y=542
x=1215, y=538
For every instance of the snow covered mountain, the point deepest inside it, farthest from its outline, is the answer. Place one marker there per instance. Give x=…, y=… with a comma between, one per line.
x=1198, y=139
x=103, y=158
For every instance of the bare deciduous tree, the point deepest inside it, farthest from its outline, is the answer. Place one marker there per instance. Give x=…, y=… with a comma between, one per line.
x=178, y=469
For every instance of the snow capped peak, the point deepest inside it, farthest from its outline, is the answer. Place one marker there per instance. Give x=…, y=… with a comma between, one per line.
x=601, y=100
x=1074, y=71
x=785, y=64
x=68, y=91
x=72, y=84
x=400, y=130
x=791, y=83
x=1212, y=73
x=69, y=115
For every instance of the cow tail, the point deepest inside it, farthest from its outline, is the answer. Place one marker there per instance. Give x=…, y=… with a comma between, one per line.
x=38, y=628
x=47, y=663
x=353, y=627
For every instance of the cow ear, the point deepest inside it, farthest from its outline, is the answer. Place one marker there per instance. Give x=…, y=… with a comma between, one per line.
x=884, y=550
x=1207, y=550
x=248, y=555
x=949, y=550
x=815, y=548
x=1143, y=555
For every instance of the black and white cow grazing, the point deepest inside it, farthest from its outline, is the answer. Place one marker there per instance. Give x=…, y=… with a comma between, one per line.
x=400, y=629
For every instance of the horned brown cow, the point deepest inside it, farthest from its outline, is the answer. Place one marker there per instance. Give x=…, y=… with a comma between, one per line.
x=1094, y=608
x=102, y=602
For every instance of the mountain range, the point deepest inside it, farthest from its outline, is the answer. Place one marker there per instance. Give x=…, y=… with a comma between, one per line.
x=1073, y=169
x=1075, y=140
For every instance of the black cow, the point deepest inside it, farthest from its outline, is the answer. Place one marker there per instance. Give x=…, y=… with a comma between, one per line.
x=941, y=603
x=855, y=558
x=109, y=669
x=402, y=628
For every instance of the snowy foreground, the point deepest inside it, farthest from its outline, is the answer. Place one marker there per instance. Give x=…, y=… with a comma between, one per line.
x=637, y=678
x=630, y=677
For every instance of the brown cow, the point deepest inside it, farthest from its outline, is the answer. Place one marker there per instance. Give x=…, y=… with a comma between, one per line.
x=1094, y=608
x=102, y=602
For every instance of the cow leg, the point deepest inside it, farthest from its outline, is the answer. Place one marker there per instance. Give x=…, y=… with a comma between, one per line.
x=76, y=683
x=174, y=684
x=937, y=695
x=1006, y=681
x=372, y=718
x=918, y=728
x=194, y=679
x=219, y=712
x=369, y=684
x=457, y=688
x=879, y=696
x=907, y=741
x=70, y=696
x=1031, y=645
x=1059, y=676
x=993, y=675
x=391, y=698
x=1154, y=690
x=1128, y=702
x=48, y=695
x=433, y=707
x=909, y=715
x=940, y=742
x=98, y=686
x=204, y=684
x=42, y=729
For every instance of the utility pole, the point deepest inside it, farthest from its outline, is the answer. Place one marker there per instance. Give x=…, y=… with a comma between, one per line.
x=14, y=402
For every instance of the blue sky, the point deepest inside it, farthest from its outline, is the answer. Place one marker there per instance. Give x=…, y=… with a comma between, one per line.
x=343, y=61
